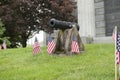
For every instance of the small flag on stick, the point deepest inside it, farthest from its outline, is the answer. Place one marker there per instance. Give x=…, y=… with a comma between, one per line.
x=118, y=49
x=114, y=34
x=0, y=47
x=116, y=38
x=36, y=47
x=51, y=45
x=4, y=45
x=75, y=46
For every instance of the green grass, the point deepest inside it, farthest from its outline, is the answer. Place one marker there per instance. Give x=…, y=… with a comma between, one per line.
x=96, y=63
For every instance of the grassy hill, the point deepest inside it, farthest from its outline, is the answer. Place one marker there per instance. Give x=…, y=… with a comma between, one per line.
x=96, y=63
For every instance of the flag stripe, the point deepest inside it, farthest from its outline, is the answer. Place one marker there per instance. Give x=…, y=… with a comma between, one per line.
x=4, y=45
x=114, y=35
x=117, y=57
x=36, y=47
x=51, y=45
x=75, y=46
x=36, y=50
x=118, y=49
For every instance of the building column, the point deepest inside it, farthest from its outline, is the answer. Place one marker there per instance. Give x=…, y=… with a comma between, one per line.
x=86, y=17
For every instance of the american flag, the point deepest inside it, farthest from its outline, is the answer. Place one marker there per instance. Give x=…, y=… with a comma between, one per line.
x=4, y=45
x=75, y=46
x=36, y=47
x=51, y=45
x=0, y=47
x=114, y=34
x=118, y=49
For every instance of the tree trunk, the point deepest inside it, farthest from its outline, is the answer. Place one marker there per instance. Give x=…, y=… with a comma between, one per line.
x=64, y=40
x=24, y=44
x=24, y=40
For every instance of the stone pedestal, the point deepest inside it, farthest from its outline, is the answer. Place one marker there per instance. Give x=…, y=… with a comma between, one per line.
x=64, y=39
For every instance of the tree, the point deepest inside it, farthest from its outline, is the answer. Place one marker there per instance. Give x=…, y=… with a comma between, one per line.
x=23, y=17
x=2, y=29
x=8, y=18
x=2, y=37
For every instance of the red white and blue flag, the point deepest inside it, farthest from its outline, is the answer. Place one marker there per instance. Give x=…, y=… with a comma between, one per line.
x=118, y=49
x=114, y=34
x=4, y=45
x=75, y=46
x=51, y=45
x=36, y=47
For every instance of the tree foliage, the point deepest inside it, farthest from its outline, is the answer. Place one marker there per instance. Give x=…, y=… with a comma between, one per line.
x=2, y=37
x=23, y=17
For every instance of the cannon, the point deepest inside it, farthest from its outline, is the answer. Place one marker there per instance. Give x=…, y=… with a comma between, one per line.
x=64, y=37
x=62, y=25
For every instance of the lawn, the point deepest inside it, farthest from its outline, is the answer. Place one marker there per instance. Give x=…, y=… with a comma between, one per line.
x=95, y=63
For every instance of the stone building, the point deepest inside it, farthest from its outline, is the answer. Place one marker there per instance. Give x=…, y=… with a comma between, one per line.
x=97, y=19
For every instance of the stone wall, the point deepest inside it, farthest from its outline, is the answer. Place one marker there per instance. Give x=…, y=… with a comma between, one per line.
x=99, y=18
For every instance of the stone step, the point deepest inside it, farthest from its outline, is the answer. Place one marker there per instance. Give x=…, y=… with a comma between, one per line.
x=103, y=40
x=90, y=40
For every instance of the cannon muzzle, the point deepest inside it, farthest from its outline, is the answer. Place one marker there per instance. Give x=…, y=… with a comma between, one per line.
x=57, y=24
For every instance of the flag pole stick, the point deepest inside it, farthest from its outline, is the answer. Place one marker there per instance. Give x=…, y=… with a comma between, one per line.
x=115, y=52
x=118, y=65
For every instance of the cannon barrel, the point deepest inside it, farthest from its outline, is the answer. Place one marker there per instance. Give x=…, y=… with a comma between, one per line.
x=57, y=24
